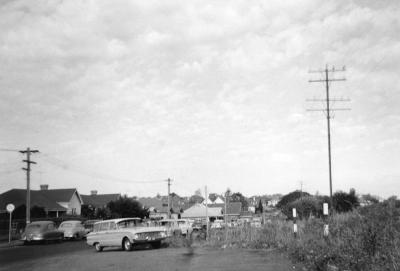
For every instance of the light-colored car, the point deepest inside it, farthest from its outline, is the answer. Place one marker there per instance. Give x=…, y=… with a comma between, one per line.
x=41, y=231
x=217, y=224
x=72, y=229
x=171, y=226
x=125, y=233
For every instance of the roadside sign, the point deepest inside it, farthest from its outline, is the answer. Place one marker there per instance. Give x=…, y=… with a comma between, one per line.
x=326, y=212
x=10, y=207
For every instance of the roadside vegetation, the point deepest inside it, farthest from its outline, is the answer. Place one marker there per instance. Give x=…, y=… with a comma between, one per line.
x=360, y=238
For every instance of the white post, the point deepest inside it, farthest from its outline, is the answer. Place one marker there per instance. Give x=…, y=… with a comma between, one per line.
x=10, y=208
x=9, y=230
x=294, y=222
x=326, y=213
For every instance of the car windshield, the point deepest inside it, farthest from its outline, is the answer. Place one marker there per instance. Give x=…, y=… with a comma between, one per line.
x=130, y=223
x=33, y=226
x=66, y=225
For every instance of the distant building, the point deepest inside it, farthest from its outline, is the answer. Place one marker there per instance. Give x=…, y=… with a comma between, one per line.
x=55, y=202
x=198, y=211
x=97, y=201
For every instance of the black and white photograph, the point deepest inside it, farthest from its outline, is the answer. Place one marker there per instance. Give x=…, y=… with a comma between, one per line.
x=200, y=135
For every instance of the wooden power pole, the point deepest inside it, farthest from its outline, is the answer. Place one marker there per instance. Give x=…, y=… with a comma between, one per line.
x=328, y=110
x=28, y=162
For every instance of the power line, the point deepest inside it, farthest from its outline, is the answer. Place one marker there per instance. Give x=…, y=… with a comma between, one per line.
x=328, y=110
x=9, y=150
x=65, y=166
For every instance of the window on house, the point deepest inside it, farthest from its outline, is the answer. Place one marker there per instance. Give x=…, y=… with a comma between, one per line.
x=73, y=211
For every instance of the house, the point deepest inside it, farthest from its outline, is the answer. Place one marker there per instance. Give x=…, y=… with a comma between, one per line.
x=96, y=201
x=233, y=210
x=199, y=211
x=158, y=206
x=55, y=202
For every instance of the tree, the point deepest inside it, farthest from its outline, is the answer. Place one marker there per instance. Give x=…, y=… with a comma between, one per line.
x=288, y=198
x=238, y=197
x=259, y=209
x=88, y=211
x=306, y=207
x=196, y=199
x=127, y=207
x=345, y=202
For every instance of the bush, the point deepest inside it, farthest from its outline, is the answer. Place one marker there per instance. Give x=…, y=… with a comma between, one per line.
x=366, y=239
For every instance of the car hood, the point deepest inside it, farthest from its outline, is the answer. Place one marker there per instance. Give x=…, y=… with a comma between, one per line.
x=144, y=229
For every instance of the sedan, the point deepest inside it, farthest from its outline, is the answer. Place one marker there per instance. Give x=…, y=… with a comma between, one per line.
x=41, y=231
x=72, y=229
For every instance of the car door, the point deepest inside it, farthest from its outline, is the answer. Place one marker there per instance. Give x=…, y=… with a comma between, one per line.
x=50, y=231
x=114, y=235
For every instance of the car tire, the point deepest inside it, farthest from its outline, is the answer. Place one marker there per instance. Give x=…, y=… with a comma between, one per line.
x=127, y=244
x=98, y=247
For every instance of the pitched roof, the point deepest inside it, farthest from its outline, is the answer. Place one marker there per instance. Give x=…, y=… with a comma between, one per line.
x=232, y=208
x=199, y=210
x=18, y=197
x=60, y=195
x=160, y=204
x=99, y=200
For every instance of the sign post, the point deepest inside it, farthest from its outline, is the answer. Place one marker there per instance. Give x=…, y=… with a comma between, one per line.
x=10, y=208
x=294, y=223
x=326, y=213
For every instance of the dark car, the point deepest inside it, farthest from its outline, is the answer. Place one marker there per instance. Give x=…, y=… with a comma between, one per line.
x=41, y=231
x=88, y=224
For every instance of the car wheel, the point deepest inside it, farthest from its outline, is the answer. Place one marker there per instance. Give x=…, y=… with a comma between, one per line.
x=126, y=244
x=98, y=247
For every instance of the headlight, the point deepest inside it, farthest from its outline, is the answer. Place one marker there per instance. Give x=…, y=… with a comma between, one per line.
x=136, y=236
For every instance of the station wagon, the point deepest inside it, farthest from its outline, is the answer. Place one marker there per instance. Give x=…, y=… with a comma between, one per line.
x=124, y=233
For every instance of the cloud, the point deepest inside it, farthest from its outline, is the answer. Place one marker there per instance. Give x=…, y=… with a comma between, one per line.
x=199, y=90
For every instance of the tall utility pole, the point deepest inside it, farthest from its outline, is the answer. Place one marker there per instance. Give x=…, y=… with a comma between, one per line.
x=169, y=199
x=328, y=110
x=28, y=162
x=206, y=195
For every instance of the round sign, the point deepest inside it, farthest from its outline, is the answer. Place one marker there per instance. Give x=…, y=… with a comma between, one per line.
x=10, y=207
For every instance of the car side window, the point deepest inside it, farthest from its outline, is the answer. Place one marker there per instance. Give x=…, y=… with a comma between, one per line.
x=104, y=226
x=96, y=227
x=112, y=226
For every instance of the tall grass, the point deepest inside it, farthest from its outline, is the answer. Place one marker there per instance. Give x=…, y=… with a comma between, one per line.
x=366, y=239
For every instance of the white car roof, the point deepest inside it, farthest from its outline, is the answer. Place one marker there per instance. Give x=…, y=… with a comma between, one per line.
x=118, y=220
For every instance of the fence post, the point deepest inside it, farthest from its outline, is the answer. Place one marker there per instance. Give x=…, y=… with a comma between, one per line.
x=326, y=213
x=294, y=223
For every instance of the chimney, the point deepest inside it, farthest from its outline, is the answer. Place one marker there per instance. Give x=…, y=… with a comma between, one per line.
x=44, y=187
x=93, y=192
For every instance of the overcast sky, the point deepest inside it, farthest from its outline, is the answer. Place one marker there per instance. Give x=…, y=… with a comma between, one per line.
x=115, y=94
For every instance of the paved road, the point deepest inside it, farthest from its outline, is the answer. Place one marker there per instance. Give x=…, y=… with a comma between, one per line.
x=78, y=256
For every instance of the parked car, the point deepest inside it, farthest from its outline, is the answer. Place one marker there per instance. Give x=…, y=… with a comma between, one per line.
x=217, y=224
x=88, y=225
x=72, y=229
x=125, y=233
x=41, y=231
x=199, y=225
x=171, y=226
